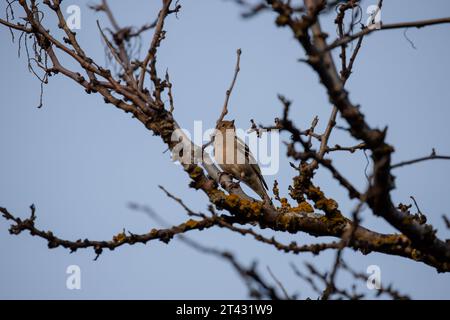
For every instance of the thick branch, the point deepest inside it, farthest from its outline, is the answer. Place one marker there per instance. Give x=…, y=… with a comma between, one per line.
x=423, y=237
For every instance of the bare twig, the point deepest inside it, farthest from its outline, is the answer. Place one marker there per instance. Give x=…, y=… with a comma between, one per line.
x=250, y=275
x=392, y=26
x=164, y=235
x=280, y=285
x=230, y=89
x=432, y=156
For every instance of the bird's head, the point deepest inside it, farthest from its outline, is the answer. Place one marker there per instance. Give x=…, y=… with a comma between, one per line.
x=225, y=125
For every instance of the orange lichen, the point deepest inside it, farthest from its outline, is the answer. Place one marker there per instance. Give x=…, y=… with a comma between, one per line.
x=191, y=223
x=120, y=237
x=232, y=200
x=153, y=232
x=243, y=206
x=284, y=220
x=303, y=207
x=327, y=205
x=196, y=172
x=314, y=192
x=321, y=202
x=256, y=208
x=284, y=203
x=415, y=254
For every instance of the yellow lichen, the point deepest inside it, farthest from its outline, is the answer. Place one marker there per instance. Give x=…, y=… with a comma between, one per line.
x=327, y=205
x=284, y=203
x=315, y=191
x=153, y=232
x=232, y=200
x=256, y=208
x=191, y=223
x=196, y=172
x=284, y=220
x=243, y=206
x=321, y=202
x=120, y=237
x=415, y=254
x=303, y=207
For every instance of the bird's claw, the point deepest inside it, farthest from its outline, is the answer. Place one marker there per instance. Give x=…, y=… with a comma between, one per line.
x=220, y=176
x=234, y=185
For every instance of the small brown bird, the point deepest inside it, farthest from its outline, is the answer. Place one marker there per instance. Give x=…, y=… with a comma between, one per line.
x=234, y=158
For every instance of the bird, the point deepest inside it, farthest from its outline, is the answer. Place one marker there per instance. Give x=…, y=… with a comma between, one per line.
x=235, y=158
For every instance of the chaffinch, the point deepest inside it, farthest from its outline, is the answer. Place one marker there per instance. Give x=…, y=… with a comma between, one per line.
x=234, y=158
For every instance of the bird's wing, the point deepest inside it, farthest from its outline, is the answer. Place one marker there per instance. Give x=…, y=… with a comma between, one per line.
x=243, y=147
x=257, y=170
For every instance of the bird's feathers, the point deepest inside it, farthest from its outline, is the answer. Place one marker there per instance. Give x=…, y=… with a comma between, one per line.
x=234, y=157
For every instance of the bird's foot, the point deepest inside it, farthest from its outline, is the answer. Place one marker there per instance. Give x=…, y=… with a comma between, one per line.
x=220, y=176
x=234, y=185
x=231, y=185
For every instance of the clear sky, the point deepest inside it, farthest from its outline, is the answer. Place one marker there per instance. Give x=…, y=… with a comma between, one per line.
x=81, y=161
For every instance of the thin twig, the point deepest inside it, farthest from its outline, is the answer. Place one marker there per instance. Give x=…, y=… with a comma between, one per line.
x=433, y=156
x=392, y=26
x=230, y=89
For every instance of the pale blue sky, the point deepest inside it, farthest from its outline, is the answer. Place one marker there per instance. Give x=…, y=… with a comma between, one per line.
x=81, y=161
